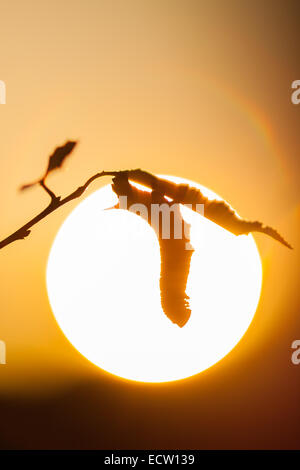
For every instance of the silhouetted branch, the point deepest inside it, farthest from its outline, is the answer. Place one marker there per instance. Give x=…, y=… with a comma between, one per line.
x=218, y=212
x=51, y=193
x=56, y=203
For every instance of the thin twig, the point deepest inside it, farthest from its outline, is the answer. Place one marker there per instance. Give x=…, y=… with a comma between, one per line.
x=56, y=202
x=45, y=187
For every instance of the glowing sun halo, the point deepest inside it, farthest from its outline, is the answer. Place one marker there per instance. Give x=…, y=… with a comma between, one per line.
x=103, y=286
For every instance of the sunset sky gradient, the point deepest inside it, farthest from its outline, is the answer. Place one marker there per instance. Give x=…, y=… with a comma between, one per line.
x=196, y=89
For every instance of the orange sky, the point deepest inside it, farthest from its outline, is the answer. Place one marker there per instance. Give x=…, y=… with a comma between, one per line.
x=197, y=89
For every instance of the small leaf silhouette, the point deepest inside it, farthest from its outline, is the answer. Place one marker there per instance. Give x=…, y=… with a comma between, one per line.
x=55, y=161
x=27, y=186
x=58, y=156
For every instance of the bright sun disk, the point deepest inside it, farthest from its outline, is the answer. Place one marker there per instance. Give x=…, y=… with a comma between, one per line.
x=103, y=286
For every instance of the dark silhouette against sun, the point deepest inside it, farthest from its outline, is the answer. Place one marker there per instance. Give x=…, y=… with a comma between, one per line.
x=174, y=255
